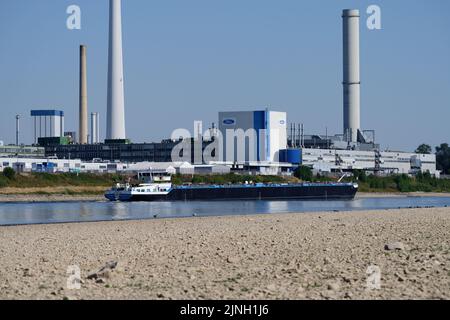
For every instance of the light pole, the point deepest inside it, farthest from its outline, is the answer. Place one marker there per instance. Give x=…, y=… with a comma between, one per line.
x=17, y=129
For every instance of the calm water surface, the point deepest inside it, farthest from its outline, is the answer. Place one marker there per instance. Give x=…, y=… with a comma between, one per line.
x=57, y=212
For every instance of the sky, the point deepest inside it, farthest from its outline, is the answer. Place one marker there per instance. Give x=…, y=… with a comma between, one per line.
x=188, y=60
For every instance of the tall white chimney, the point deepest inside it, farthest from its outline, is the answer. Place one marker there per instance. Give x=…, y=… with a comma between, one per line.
x=352, y=80
x=115, y=128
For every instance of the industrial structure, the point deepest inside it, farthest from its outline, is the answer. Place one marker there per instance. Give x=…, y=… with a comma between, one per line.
x=48, y=124
x=21, y=152
x=255, y=142
x=115, y=128
x=95, y=128
x=83, y=114
x=17, y=129
x=351, y=80
x=252, y=135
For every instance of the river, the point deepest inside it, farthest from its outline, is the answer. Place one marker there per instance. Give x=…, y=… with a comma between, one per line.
x=63, y=212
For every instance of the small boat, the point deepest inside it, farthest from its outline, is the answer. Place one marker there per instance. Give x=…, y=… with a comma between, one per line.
x=160, y=188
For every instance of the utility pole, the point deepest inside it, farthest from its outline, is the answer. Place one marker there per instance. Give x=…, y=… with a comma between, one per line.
x=17, y=129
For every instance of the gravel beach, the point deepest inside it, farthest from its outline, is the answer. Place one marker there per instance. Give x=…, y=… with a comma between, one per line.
x=286, y=256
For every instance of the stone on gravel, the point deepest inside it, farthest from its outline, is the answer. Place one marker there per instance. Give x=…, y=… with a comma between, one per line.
x=394, y=246
x=104, y=272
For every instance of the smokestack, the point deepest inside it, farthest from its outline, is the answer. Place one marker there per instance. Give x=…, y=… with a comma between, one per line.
x=115, y=128
x=95, y=128
x=83, y=128
x=352, y=80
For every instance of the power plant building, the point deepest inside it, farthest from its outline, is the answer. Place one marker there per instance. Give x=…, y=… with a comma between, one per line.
x=47, y=124
x=253, y=135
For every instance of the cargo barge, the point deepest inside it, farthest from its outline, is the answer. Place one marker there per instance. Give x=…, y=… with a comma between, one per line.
x=165, y=191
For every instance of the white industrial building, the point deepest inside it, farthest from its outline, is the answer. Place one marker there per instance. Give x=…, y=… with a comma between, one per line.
x=328, y=160
x=49, y=165
x=47, y=124
x=253, y=135
x=179, y=168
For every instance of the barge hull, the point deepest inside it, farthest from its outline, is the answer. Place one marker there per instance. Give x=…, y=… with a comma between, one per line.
x=315, y=192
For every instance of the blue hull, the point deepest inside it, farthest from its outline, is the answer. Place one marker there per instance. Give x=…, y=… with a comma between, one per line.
x=342, y=191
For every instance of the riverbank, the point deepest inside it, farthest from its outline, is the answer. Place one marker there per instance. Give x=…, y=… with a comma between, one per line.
x=362, y=195
x=34, y=198
x=74, y=194
x=285, y=256
x=52, y=194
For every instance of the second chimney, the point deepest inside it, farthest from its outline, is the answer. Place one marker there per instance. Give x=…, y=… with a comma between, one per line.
x=83, y=134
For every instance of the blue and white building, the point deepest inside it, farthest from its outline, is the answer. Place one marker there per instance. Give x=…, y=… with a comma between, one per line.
x=47, y=124
x=253, y=135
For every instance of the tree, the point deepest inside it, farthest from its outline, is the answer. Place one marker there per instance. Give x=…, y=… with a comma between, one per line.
x=443, y=158
x=424, y=149
x=9, y=173
x=304, y=173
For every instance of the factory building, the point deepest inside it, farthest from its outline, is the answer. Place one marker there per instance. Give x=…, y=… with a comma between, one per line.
x=384, y=162
x=124, y=152
x=253, y=135
x=21, y=152
x=47, y=124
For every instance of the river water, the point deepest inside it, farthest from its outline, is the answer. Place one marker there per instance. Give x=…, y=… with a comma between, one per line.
x=58, y=212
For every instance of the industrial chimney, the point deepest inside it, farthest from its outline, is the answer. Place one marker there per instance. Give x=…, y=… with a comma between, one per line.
x=351, y=75
x=83, y=127
x=95, y=128
x=115, y=128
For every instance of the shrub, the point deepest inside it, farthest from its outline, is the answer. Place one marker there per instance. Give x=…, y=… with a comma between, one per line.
x=304, y=173
x=9, y=173
x=3, y=182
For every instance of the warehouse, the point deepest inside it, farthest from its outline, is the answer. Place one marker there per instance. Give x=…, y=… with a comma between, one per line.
x=388, y=162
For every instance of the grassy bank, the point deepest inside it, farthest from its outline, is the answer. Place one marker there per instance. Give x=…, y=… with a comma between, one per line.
x=95, y=184
x=65, y=183
x=402, y=183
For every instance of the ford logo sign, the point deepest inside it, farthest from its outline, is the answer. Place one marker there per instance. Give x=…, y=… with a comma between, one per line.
x=229, y=122
x=282, y=122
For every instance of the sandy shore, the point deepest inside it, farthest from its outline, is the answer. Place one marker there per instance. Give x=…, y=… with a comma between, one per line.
x=290, y=256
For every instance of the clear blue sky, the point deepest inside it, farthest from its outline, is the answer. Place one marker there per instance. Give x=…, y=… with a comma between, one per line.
x=187, y=60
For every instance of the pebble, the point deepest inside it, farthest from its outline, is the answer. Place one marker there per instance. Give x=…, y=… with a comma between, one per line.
x=394, y=246
x=104, y=272
x=232, y=260
x=334, y=286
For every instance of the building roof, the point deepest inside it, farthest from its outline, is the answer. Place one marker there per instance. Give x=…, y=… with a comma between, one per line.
x=47, y=113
